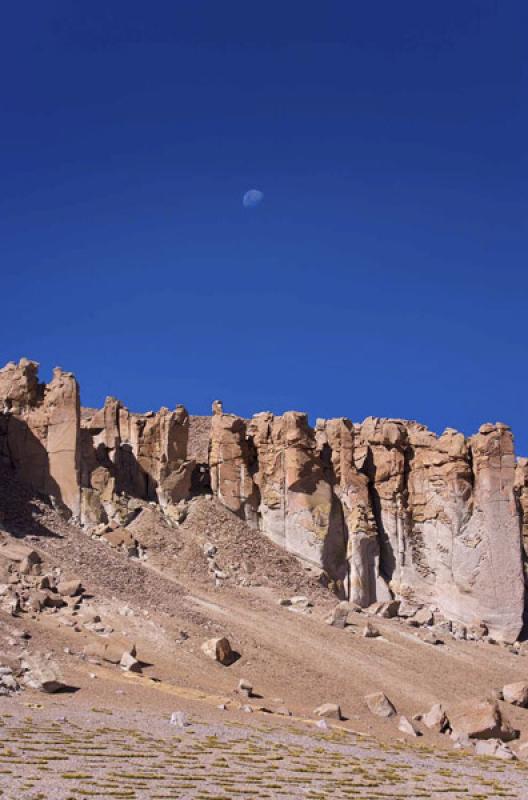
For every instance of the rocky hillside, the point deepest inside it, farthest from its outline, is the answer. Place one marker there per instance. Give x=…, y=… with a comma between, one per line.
x=384, y=509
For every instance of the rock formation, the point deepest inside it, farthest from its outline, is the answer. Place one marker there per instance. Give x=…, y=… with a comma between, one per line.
x=386, y=508
x=40, y=431
x=521, y=491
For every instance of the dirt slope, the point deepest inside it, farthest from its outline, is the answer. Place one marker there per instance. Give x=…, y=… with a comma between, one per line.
x=292, y=657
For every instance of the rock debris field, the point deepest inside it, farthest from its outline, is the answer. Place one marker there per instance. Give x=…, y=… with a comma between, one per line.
x=44, y=754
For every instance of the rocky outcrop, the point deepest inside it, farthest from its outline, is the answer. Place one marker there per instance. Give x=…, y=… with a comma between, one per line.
x=386, y=509
x=231, y=464
x=521, y=492
x=447, y=520
x=41, y=430
x=139, y=455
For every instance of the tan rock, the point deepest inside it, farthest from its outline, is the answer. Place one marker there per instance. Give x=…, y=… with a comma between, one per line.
x=245, y=687
x=423, y=617
x=129, y=663
x=493, y=748
x=111, y=650
x=388, y=510
x=516, y=693
x=328, y=711
x=436, y=719
x=282, y=710
x=219, y=650
x=379, y=704
x=14, y=550
x=339, y=616
x=69, y=588
x=388, y=609
x=370, y=631
x=43, y=430
x=42, y=674
x=230, y=465
x=408, y=727
x=521, y=495
x=120, y=537
x=480, y=720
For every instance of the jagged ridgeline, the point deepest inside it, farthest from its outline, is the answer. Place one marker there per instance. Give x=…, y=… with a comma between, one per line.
x=386, y=508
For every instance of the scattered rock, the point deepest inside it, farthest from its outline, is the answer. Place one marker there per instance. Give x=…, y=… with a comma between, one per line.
x=111, y=650
x=244, y=687
x=41, y=674
x=283, y=711
x=8, y=682
x=388, y=609
x=339, y=615
x=379, y=704
x=178, y=719
x=69, y=588
x=219, y=650
x=516, y=693
x=407, y=609
x=300, y=603
x=436, y=719
x=129, y=663
x=480, y=720
x=423, y=617
x=432, y=638
x=406, y=726
x=370, y=631
x=495, y=749
x=328, y=711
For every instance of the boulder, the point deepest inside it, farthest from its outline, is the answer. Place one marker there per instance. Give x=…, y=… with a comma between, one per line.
x=244, y=687
x=69, y=588
x=120, y=537
x=370, y=631
x=300, y=602
x=516, y=693
x=408, y=727
x=407, y=609
x=111, y=650
x=494, y=748
x=424, y=616
x=178, y=719
x=436, y=719
x=480, y=720
x=388, y=610
x=379, y=704
x=42, y=674
x=328, y=711
x=219, y=650
x=432, y=638
x=14, y=551
x=129, y=663
x=339, y=615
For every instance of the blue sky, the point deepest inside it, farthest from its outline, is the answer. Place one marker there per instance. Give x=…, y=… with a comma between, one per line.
x=383, y=273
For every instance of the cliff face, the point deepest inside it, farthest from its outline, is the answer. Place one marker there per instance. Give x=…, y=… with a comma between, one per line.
x=41, y=430
x=385, y=508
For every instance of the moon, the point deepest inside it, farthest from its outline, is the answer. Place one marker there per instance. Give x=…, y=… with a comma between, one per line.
x=252, y=198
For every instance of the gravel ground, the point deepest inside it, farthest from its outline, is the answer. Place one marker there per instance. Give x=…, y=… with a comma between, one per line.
x=71, y=752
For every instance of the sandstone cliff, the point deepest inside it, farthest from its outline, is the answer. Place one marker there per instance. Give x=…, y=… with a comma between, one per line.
x=385, y=508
